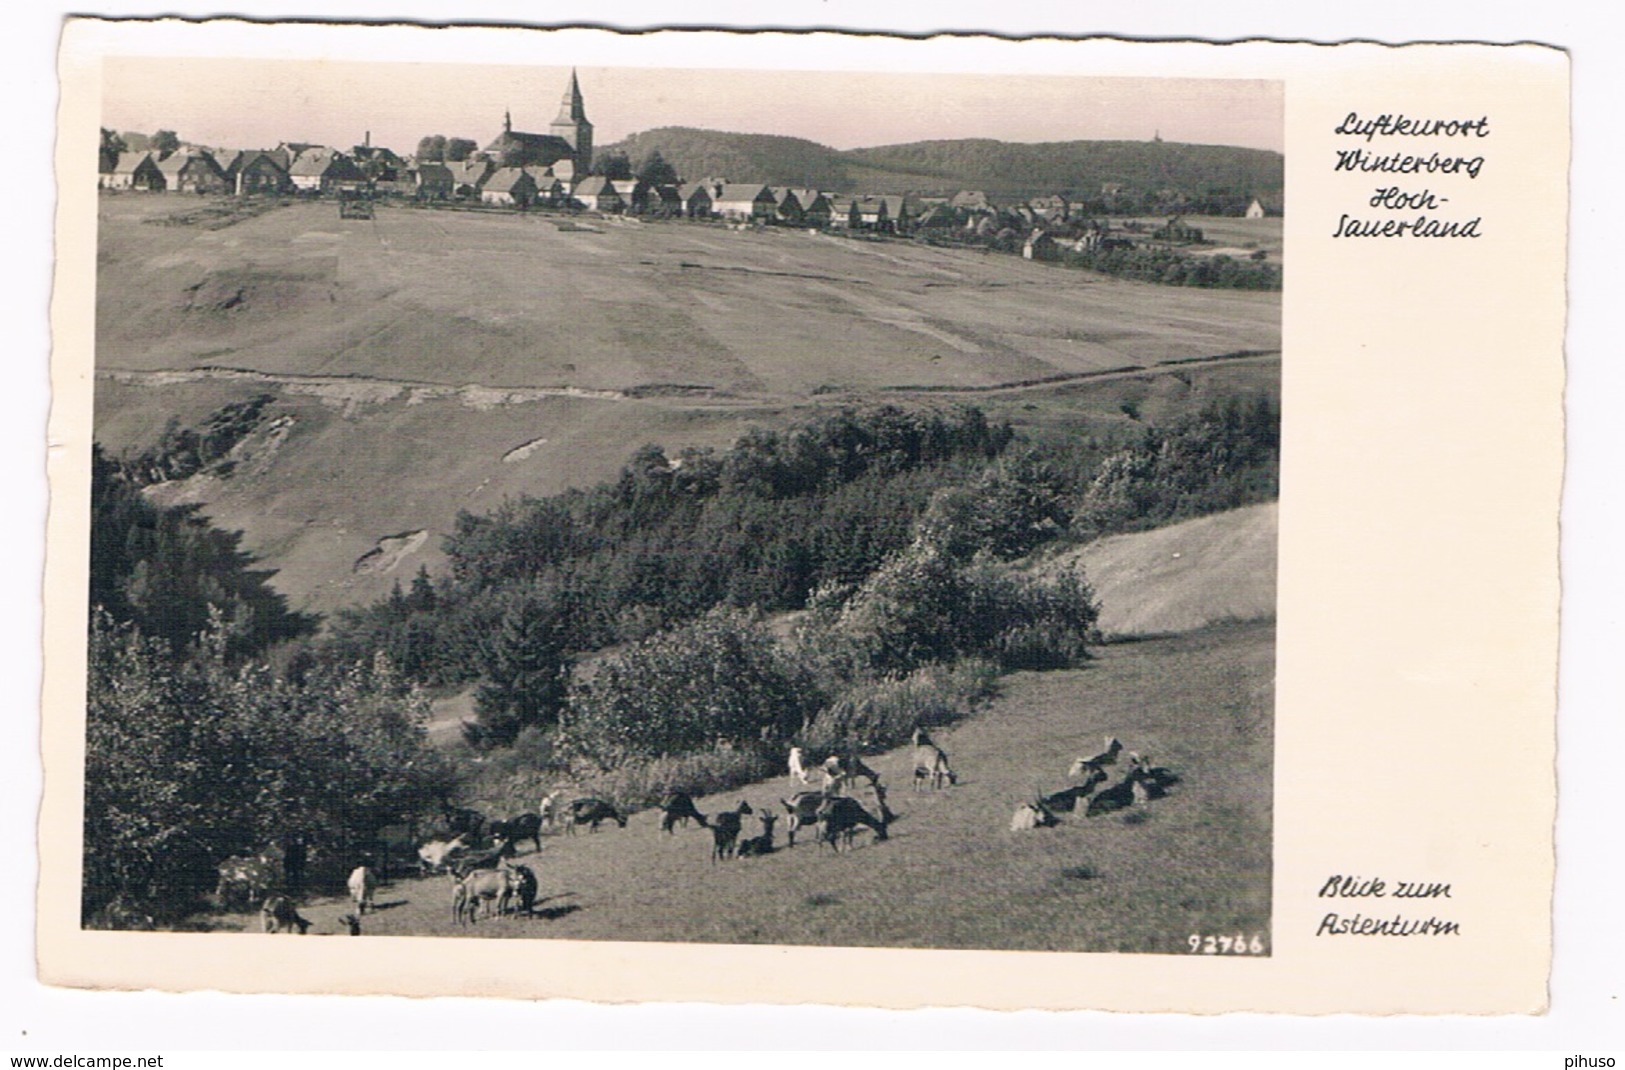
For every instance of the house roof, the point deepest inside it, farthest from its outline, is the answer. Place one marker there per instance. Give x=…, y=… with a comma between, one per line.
x=595, y=186
x=434, y=172
x=743, y=191
x=688, y=190
x=531, y=148
x=128, y=162
x=504, y=179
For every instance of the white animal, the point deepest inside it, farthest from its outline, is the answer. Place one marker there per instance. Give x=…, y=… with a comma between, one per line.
x=798, y=769
x=1031, y=816
x=436, y=853
x=363, y=884
x=548, y=810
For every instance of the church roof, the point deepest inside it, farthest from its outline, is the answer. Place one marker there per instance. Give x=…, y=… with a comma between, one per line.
x=530, y=148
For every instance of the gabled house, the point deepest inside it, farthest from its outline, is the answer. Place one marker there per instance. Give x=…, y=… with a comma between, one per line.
x=842, y=213
x=134, y=170
x=597, y=193
x=634, y=194
x=1053, y=207
x=1255, y=209
x=468, y=176
x=193, y=173
x=432, y=182
x=511, y=187
x=696, y=199
x=974, y=200
x=815, y=207
x=901, y=212
x=869, y=213
x=665, y=201
x=260, y=172
x=321, y=170
x=744, y=200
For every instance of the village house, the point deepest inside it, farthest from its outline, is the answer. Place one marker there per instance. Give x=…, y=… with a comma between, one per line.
x=743, y=201
x=815, y=207
x=869, y=213
x=1255, y=209
x=665, y=201
x=511, y=187
x=192, y=173
x=786, y=206
x=433, y=182
x=261, y=172
x=634, y=194
x=972, y=200
x=841, y=213
x=597, y=193
x=323, y=170
x=133, y=170
x=696, y=199
x=1054, y=207
x=901, y=212
x=468, y=176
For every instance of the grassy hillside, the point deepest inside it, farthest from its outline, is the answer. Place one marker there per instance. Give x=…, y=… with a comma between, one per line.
x=1184, y=576
x=952, y=874
x=437, y=361
x=1001, y=167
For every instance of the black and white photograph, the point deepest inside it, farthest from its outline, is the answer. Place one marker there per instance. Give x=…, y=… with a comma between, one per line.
x=573, y=501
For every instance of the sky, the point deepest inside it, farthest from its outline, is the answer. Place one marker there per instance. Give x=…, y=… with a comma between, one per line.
x=256, y=103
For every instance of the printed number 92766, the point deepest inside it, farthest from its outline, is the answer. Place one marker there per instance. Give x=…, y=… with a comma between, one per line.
x=1235, y=944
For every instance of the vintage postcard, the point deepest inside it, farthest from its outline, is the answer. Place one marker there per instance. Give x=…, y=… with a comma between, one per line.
x=804, y=518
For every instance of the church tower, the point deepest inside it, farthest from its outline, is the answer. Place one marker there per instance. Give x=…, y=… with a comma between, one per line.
x=573, y=127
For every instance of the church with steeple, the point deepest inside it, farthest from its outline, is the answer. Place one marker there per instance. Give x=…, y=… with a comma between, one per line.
x=566, y=147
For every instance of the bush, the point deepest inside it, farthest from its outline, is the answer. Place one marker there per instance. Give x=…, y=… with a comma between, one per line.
x=883, y=713
x=924, y=608
x=722, y=680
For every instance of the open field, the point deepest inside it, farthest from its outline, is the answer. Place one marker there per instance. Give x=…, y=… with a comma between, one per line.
x=435, y=361
x=952, y=875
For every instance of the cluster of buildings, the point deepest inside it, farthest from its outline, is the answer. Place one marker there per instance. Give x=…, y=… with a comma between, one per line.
x=554, y=169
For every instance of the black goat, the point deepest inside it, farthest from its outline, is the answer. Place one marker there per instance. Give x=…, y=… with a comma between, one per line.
x=679, y=806
x=725, y=831
x=593, y=812
x=842, y=815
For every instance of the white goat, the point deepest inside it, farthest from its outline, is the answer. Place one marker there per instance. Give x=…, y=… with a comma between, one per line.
x=798, y=768
x=363, y=884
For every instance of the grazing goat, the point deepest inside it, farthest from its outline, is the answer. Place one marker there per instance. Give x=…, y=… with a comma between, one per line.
x=491, y=887
x=803, y=807
x=362, y=885
x=839, y=770
x=798, y=768
x=524, y=887
x=593, y=812
x=548, y=810
x=1120, y=795
x=523, y=827
x=763, y=844
x=433, y=856
x=1114, y=747
x=842, y=816
x=1067, y=799
x=498, y=853
x=931, y=765
x=725, y=831
x=679, y=806
x=278, y=915
x=1157, y=779
x=1032, y=815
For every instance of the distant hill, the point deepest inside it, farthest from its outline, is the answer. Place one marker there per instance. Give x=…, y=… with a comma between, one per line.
x=1142, y=168
x=697, y=154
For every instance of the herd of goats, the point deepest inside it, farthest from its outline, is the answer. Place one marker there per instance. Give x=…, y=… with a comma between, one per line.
x=486, y=881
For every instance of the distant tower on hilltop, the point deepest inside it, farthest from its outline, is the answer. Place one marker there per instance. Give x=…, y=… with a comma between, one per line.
x=573, y=127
